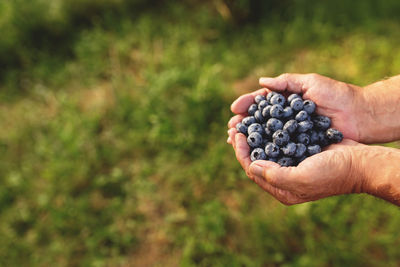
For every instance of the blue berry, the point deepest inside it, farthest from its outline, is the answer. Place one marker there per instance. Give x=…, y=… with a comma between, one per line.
x=287, y=112
x=300, y=150
x=334, y=135
x=259, y=117
x=281, y=137
x=278, y=99
x=255, y=140
x=268, y=133
x=314, y=139
x=266, y=112
x=321, y=122
x=322, y=139
x=286, y=162
x=272, y=150
x=258, y=154
x=302, y=116
x=255, y=128
x=297, y=104
x=270, y=95
x=262, y=105
x=309, y=106
x=304, y=126
x=276, y=111
x=274, y=124
x=289, y=149
x=303, y=138
x=248, y=120
x=313, y=149
x=252, y=109
x=241, y=128
x=290, y=126
x=292, y=97
x=259, y=98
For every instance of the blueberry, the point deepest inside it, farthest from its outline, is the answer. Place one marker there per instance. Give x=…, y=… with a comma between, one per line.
x=302, y=116
x=304, y=126
x=274, y=124
x=287, y=112
x=262, y=105
x=252, y=109
x=255, y=140
x=322, y=139
x=321, y=122
x=255, y=128
x=241, y=128
x=272, y=150
x=297, y=104
x=303, y=138
x=286, y=162
x=258, y=154
x=278, y=99
x=334, y=135
x=313, y=149
x=248, y=120
x=314, y=139
x=300, y=150
x=290, y=126
x=259, y=98
x=266, y=112
x=289, y=149
x=292, y=97
x=276, y=111
x=270, y=95
x=309, y=106
x=259, y=117
x=281, y=137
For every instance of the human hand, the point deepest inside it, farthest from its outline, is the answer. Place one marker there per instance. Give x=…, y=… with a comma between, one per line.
x=341, y=102
x=334, y=171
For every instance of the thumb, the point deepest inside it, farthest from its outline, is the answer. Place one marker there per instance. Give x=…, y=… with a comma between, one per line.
x=275, y=175
x=293, y=82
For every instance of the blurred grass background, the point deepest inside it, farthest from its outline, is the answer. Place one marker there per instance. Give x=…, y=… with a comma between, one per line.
x=113, y=128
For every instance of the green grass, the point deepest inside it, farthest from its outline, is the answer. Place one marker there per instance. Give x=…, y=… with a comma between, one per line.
x=112, y=146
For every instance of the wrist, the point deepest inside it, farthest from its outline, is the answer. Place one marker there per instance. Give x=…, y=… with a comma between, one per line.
x=379, y=172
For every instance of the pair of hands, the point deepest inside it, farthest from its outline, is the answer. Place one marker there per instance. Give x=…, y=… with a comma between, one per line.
x=341, y=168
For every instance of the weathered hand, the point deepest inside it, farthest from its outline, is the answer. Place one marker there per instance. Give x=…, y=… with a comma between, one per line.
x=332, y=172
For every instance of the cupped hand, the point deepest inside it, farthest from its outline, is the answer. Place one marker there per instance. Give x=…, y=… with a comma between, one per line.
x=337, y=100
x=332, y=172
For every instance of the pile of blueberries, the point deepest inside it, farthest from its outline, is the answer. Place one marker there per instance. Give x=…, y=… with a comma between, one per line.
x=286, y=131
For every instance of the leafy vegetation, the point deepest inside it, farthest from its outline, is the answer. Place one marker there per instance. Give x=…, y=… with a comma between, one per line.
x=113, y=126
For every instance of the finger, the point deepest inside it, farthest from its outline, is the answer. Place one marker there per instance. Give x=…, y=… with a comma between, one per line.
x=240, y=105
x=229, y=140
x=281, y=177
x=232, y=132
x=242, y=150
x=235, y=120
x=293, y=82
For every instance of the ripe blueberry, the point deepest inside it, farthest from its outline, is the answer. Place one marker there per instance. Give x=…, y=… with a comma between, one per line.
x=272, y=150
x=334, y=135
x=303, y=138
x=259, y=117
x=304, y=126
x=286, y=162
x=309, y=106
x=255, y=140
x=241, y=128
x=276, y=111
x=289, y=149
x=258, y=154
x=281, y=137
x=313, y=149
x=259, y=98
x=300, y=150
x=248, y=120
x=278, y=99
x=302, y=116
x=297, y=104
x=290, y=126
x=255, y=127
x=252, y=109
x=321, y=122
x=274, y=124
x=292, y=97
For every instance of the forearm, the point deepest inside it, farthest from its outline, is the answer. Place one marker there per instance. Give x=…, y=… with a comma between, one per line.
x=381, y=111
x=380, y=171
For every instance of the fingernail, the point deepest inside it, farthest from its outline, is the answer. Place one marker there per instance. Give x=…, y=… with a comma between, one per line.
x=228, y=140
x=256, y=169
x=264, y=80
